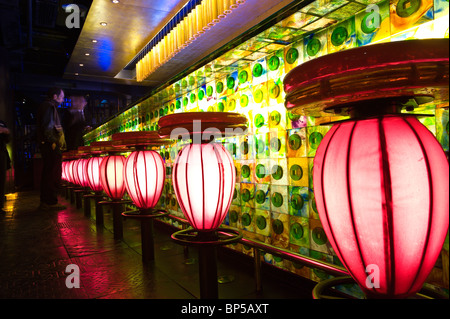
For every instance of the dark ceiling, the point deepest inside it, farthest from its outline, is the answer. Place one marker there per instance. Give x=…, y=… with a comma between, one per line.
x=35, y=35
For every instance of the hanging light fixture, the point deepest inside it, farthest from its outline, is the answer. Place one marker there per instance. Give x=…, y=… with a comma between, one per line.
x=381, y=177
x=203, y=176
x=144, y=176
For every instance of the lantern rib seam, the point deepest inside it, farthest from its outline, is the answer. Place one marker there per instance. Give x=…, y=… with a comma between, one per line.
x=349, y=197
x=430, y=211
x=203, y=187
x=219, y=204
x=388, y=225
x=324, y=198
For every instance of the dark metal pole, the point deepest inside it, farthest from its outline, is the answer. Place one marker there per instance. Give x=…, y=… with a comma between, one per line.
x=207, y=262
x=98, y=213
x=117, y=220
x=148, y=249
x=87, y=205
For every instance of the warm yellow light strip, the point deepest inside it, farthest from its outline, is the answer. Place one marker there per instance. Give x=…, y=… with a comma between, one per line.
x=200, y=19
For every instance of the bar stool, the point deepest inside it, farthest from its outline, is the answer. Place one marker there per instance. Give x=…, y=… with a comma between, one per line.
x=204, y=180
x=144, y=175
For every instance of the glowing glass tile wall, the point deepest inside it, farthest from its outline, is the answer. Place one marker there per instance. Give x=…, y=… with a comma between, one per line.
x=274, y=199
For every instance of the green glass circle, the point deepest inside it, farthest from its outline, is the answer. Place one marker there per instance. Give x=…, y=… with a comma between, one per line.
x=230, y=82
x=183, y=83
x=172, y=107
x=209, y=90
x=243, y=76
x=178, y=104
x=245, y=171
x=368, y=27
x=185, y=101
x=259, y=120
x=233, y=216
x=277, y=172
x=258, y=96
x=192, y=97
x=274, y=91
x=291, y=55
x=257, y=70
x=275, y=144
x=246, y=219
x=275, y=117
x=260, y=146
x=273, y=63
x=406, y=8
x=292, y=116
x=232, y=148
x=295, y=142
x=147, y=117
x=296, y=172
x=231, y=105
x=260, y=196
x=166, y=110
x=297, y=231
x=219, y=87
x=191, y=80
x=313, y=47
x=339, y=36
x=261, y=222
x=235, y=193
x=220, y=107
x=297, y=201
x=171, y=91
x=201, y=94
x=177, y=87
x=245, y=195
x=156, y=113
x=319, y=236
x=260, y=171
x=314, y=139
x=243, y=100
x=277, y=226
x=244, y=147
x=277, y=199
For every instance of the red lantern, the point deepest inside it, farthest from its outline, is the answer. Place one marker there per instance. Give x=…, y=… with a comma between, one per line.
x=381, y=189
x=93, y=173
x=144, y=175
x=111, y=176
x=80, y=172
x=204, y=178
x=380, y=178
x=74, y=172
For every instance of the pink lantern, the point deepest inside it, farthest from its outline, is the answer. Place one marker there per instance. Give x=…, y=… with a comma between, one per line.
x=111, y=176
x=144, y=178
x=93, y=173
x=80, y=172
x=380, y=178
x=204, y=181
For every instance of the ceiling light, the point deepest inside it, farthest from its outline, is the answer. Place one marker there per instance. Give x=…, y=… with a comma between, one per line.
x=94, y=41
x=87, y=54
x=104, y=24
x=81, y=64
x=115, y=1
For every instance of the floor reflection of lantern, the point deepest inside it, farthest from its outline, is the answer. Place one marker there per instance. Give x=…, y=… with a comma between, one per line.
x=113, y=183
x=380, y=177
x=144, y=174
x=203, y=176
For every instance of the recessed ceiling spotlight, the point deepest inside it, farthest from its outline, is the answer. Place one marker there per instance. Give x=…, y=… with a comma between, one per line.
x=115, y=1
x=94, y=41
x=87, y=54
x=81, y=64
x=76, y=74
x=103, y=24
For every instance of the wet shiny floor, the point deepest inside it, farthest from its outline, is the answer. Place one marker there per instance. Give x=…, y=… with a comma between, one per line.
x=37, y=246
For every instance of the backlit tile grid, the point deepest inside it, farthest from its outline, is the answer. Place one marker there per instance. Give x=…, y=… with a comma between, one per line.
x=274, y=197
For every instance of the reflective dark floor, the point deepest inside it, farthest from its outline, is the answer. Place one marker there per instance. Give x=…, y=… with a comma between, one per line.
x=37, y=246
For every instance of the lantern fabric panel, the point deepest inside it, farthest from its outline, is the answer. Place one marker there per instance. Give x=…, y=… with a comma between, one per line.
x=381, y=186
x=144, y=176
x=111, y=176
x=204, y=178
x=93, y=173
x=80, y=172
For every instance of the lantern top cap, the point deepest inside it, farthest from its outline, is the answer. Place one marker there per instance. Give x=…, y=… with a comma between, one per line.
x=413, y=68
x=105, y=147
x=70, y=154
x=144, y=138
x=191, y=123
